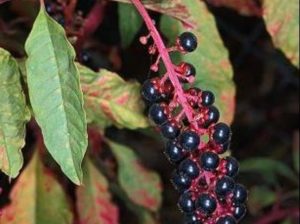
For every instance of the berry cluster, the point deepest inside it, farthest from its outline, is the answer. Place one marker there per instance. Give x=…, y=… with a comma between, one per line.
x=205, y=181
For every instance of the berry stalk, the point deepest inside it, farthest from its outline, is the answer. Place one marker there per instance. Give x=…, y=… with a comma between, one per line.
x=164, y=53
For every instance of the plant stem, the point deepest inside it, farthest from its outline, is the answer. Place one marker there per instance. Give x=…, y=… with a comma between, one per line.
x=279, y=215
x=163, y=51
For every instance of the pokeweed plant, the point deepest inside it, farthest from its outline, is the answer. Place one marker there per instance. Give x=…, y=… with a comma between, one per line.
x=72, y=106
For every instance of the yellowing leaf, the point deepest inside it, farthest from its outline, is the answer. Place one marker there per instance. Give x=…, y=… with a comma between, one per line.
x=13, y=116
x=37, y=198
x=93, y=198
x=55, y=94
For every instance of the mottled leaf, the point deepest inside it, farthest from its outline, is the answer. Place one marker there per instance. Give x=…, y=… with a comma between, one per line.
x=13, y=115
x=259, y=198
x=55, y=94
x=142, y=186
x=111, y=100
x=214, y=71
x=93, y=198
x=269, y=169
x=129, y=22
x=282, y=20
x=37, y=197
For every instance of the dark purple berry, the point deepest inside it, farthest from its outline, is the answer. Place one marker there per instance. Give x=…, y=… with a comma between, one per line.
x=209, y=161
x=188, y=41
x=224, y=186
x=226, y=220
x=207, y=98
x=192, y=219
x=240, y=194
x=174, y=152
x=186, y=203
x=221, y=149
x=189, y=140
x=206, y=203
x=150, y=93
x=232, y=167
x=181, y=182
x=170, y=130
x=189, y=168
x=213, y=116
x=158, y=114
x=221, y=133
x=239, y=212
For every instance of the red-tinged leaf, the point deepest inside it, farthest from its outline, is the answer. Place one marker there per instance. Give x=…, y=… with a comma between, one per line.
x=142, y=186
x=37, y=198
x=282, y=20
x=214, y=71
x=93, y=198
x=111, y=100
x=244, y=7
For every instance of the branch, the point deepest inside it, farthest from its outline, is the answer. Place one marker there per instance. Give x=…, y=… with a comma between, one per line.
x=277, y=215
x=166, y=60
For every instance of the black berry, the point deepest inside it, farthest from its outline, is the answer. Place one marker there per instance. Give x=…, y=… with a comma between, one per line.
x=158, y=114
x=212, y=116
x=209, y=161
x=226, y=220
x=189, y=168
x=170, y=130
x=220, y=149
x=224, y=186
x=239, y=212
x=186, y=203
x=206, y=203
x=181, y=182
x=188, y=41
x=207, y=98
x=221, y=133
x=192, y=219
x=189, y=140
x=174, y=152
x=240, y=194
x=232, y=167
x=150, y=93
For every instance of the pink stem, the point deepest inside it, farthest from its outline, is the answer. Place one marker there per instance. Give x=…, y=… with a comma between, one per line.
x=163, y=51
x=279, y=215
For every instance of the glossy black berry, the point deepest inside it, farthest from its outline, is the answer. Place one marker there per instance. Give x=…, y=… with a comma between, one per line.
x=226, y=220
x=186, y=203
x=221, y=149
x=239, y=212
x=157, y=114
x=221, y=133
x=206, y=203
x=188, y=41
x=189, y=168
x=181, y=182
x=224, y=186
x=192, y=219
x=150, y=93
x=240, y=194
x=174, y=152
x=170, y=130
x=212, y=116
x=189, y=140
x=209, y=161
x=232, y=167
x=207, y=98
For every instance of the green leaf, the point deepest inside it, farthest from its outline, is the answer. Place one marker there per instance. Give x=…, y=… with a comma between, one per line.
x=130, y=22
x=214, y=71
x=282, y=20
x=37, y=198
x=142, y=186
x=111, y=100
x=269, y=169
x=94, y=204
x=55, y=94
x=259, y=198
x=13, y=116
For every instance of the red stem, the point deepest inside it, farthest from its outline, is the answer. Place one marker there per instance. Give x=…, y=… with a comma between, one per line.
x=279, y=215
x=163, y=51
